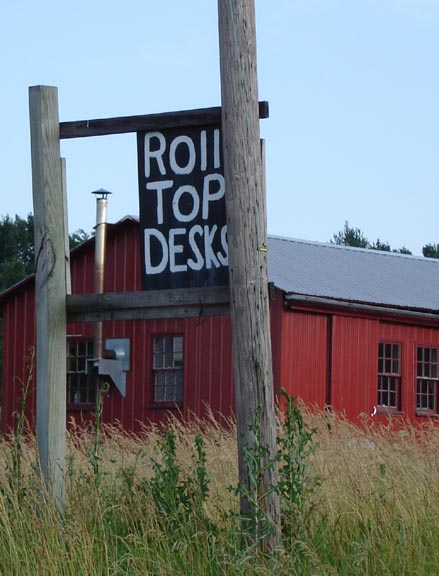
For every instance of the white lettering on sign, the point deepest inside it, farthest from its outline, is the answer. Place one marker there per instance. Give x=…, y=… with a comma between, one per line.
x=149, y=267
x=176, y=249
x=166, y=157
x=168, y=250
x=203, y=146
x=195, y=203
x=157, y=153
x=159, y=187
x=199, y=262
x=182, y=199
x=191, y=155
x=216, y=149
x=212, y=197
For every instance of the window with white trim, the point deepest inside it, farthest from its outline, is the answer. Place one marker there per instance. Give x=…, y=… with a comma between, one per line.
x=389, y=375
x=427, y=376
x=168, y=369
x=81, y=387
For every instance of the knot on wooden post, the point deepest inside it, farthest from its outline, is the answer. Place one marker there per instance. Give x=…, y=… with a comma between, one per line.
x=45, y=259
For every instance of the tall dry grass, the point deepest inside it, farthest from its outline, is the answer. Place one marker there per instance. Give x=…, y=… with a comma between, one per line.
x=374, y=512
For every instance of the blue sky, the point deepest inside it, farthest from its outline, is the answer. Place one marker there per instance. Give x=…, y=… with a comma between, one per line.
x=353, y=87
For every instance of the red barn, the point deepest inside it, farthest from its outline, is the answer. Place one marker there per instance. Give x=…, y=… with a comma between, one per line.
x=354, y=329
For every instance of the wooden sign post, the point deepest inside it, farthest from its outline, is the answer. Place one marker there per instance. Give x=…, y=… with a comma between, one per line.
x=50, y=287
x=246, y=224
x=193, y=243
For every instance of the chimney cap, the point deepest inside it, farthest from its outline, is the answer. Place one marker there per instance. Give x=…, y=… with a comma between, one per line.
x=101, y=192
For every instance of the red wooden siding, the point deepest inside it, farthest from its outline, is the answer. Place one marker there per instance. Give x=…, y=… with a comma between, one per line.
x=208, y=377
x=333, y=359
x=276, y=319
x=304, y=356
x=354, y=365
x=208, y=374
x=323, y=356
x=207, y=369
x=19, y=339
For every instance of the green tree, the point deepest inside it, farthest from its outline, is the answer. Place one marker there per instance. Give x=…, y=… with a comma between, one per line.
x=78, y=237
x=378, y=245
x=350, y=236
x=17, y=258
x=402, y=250
x=431, y=250
x=16, y=249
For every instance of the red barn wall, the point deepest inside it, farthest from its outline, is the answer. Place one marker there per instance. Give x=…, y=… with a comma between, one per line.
x=332, y=359
x=323, y=357
x=305, y=356
x=354, y=365
x=409, y=337
x=207, y=370
x=18, y=356
x=208, y=373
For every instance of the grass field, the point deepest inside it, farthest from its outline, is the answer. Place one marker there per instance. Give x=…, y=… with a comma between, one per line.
x=368, y=503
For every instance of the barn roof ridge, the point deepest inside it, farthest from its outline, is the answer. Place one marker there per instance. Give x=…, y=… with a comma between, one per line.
x=135, y=218
x=333, y=245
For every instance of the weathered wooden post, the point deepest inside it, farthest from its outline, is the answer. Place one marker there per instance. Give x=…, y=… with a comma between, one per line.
x=246, y=226
x=50, y=287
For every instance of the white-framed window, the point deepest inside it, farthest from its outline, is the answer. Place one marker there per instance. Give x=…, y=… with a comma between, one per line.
x=168, y=369
x=81, y=387
x=389, y=376
x=427, y=376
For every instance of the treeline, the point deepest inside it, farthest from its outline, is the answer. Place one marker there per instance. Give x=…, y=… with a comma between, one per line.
x=350, y=236
x=17, y=259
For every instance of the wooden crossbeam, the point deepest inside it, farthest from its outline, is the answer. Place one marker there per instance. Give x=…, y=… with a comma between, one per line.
x=126, y=124
x=154, y=304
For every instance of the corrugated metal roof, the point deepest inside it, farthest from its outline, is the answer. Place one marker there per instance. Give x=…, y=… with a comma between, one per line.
x=353, y=274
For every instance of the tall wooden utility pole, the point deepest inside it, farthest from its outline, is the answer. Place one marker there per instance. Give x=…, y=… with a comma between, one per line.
x=50, y=287
x=246, y=225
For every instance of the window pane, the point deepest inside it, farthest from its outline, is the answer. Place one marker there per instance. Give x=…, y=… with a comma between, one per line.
x=168, y=386
x=178, y=343
x=158, y=345
x=169, y=353
x=167, y=365
x=427, y=381
x=71, y=364
x=178, y=386
x=389, y=381
x=71, y=349
x=81, y=349
x=80, y=385
x=159, y=395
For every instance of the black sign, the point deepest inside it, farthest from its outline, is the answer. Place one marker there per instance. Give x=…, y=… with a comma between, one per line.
x=182, y=208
